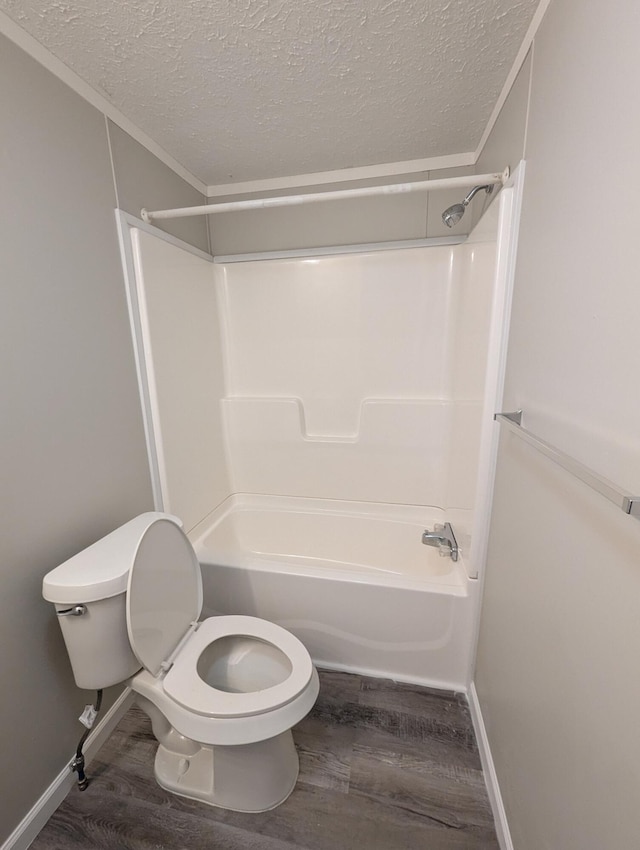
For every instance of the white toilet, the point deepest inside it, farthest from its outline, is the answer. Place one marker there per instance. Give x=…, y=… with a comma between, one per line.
x=222, y=695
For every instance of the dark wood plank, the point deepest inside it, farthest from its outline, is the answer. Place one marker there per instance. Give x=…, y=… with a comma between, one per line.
x=325, y=752
x=454, y=799
x=104, y=823
x=382, y=766
x=338, y=688
x=412, y=699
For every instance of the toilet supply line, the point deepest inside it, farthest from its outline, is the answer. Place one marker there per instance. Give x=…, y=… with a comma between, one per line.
x=87, y=718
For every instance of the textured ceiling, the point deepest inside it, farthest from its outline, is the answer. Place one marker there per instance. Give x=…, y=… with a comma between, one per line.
x=240, y=90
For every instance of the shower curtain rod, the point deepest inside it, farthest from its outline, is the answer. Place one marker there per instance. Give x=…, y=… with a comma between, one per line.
x=340, y=194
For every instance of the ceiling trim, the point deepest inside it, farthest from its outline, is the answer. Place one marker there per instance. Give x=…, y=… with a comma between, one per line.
x=45, y=58
x=513, y=73
x=342, y=175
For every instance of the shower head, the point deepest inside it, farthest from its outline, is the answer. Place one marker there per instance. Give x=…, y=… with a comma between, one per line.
x=453, y=214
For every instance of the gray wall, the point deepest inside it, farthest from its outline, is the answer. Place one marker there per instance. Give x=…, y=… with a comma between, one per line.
x=505, y=145
x=73, y=457
x=142, y=180
x=557, y=668
x=347, y=222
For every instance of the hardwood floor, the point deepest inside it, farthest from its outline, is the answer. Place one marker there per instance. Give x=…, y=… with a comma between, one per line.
x=383, y=766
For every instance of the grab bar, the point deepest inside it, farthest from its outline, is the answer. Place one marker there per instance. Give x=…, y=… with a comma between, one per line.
x=627, y=503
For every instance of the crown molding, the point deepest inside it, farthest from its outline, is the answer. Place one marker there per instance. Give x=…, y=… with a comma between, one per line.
x=44, y=57
x=343, y=175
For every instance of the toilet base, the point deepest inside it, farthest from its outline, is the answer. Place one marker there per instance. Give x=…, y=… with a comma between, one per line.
x=244, y=778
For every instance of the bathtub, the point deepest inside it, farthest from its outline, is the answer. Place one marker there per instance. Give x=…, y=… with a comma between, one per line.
x=352, y=580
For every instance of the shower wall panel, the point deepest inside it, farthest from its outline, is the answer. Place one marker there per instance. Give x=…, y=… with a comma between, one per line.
x=473, y=301
x=184, y=372
x=357, y=377
x=396, y=455
x=335, y=330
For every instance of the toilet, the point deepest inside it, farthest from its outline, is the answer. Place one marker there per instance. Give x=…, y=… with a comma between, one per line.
x=222, y=694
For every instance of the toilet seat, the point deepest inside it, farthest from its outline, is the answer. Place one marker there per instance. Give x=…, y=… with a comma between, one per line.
x=164, y=601
x=184, y=685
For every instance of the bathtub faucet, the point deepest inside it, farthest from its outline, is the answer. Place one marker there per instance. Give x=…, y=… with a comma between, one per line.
x=443, y=537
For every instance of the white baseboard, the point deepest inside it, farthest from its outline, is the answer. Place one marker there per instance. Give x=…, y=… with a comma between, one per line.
x=491, y=778
x=29, y=827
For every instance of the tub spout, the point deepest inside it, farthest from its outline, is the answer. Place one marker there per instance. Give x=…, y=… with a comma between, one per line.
x=444, y=539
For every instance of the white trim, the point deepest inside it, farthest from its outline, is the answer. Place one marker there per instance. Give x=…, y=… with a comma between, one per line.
x=508, y=229
x=44, y=57
x=333, y=250
x=511, y=218
x=113, y=167
x=513, y=73
x=529, y=92
x=131, y=221
x=125, y=223
x=343, y=175
x=510, y=205
x=489, y=770
x=148, y=387
x=31, y=824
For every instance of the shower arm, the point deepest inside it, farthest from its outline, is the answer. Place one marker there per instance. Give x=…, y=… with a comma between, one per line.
x=478, y=181
x=487, y=187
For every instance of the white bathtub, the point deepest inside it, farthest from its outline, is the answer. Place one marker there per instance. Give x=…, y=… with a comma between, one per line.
x=352, y=580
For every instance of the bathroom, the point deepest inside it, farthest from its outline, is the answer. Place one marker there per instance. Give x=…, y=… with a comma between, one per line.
x=553, y=674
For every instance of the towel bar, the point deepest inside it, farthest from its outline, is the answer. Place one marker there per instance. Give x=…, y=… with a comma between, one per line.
x=627, y=503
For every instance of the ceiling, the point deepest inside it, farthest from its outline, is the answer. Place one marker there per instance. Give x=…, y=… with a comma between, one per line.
x=241, y=90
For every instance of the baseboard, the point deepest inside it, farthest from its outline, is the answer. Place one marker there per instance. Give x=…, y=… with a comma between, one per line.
x=29, y=827
x=490, y=775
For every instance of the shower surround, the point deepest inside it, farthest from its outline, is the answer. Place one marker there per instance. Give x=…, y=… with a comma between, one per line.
x=307, y=418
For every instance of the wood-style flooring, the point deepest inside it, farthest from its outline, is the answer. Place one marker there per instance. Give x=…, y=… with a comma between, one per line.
x=383, y=766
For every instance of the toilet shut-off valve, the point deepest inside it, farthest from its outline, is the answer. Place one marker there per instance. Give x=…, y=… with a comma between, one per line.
x=87, y=718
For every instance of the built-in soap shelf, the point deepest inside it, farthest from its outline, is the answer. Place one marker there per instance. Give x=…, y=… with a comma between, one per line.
x=292, y=412
x=399, y=453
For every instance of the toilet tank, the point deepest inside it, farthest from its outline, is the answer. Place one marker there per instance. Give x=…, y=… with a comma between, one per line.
x=89, y=594
x=97, y=642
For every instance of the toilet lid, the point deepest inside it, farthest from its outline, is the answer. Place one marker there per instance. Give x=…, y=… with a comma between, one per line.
x=164, y=594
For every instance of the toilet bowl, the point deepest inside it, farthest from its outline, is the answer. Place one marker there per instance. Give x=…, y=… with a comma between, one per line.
x=222, y=694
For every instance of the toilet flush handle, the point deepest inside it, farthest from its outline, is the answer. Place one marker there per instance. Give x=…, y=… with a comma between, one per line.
x=75, y=611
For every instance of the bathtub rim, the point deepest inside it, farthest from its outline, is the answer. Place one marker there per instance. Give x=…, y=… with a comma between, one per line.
x=455, y=582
